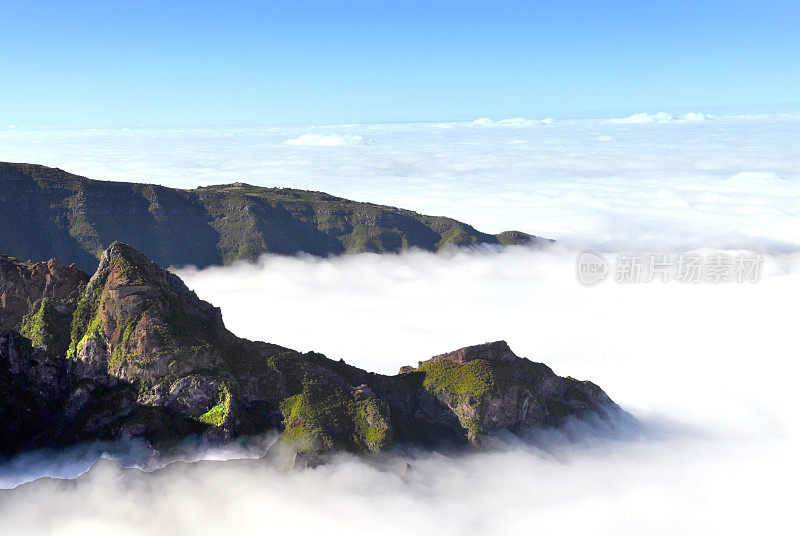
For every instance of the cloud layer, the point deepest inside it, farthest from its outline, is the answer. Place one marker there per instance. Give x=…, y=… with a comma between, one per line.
x=323, y=140
x=638, y=487
x=512, y=122
x=707, y=369
x=660, y=117
x=583, y=182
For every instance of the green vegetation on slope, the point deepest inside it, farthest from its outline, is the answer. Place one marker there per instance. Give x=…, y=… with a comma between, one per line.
x=48, y=325
x=324, y=417
x=463, y=387
x=216, y=415
x=473, y=378
x=86, y=319
x=122, y=352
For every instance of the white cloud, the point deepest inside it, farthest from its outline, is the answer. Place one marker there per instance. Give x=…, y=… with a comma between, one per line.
x=694, y=116
x=512, y=122
x=642, y=487
x=660, y=117
x=324, y=140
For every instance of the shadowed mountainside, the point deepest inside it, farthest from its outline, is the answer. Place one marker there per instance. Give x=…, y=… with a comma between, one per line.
x=50, y=213
x=133, y=353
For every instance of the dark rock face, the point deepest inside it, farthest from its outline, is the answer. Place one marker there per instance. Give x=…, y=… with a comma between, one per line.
x=144, y=357
x=46, y=400
x=51, y=213
x=32, y=386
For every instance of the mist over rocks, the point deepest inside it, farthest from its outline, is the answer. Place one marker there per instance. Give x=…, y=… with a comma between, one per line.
x=717, y=437
x=600, y=477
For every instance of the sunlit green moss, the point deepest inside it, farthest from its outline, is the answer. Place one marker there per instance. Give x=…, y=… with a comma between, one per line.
x=86, y=319
x=46, y=326
x=216, y=415
x=371, y=426
x=473, y=378
x=122, y=351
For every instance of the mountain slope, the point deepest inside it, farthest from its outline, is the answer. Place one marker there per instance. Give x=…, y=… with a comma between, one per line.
x=144, y=357
x=51, y=213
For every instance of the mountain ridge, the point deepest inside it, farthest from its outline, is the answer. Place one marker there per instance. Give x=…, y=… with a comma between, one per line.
x=146, y=358
x=51, y=213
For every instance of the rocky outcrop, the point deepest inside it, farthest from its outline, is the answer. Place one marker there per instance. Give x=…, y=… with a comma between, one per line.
x=490, y=388
x=496, y=352
x=23, y=284
x=48, y=212
x=144, y=357
x=49, y=401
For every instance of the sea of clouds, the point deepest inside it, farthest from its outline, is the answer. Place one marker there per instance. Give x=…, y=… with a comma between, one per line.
x=724, y=180
x=708, y=370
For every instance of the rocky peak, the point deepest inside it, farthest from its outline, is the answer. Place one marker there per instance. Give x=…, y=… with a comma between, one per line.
x=125, y=272
x=497, y=351
x=137, y=320
x=488, y=388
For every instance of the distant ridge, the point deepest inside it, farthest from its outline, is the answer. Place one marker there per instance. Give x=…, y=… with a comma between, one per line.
x=48, y=212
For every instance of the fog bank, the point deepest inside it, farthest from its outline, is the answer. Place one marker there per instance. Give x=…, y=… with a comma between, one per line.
x=675, y=485
x=708, y=370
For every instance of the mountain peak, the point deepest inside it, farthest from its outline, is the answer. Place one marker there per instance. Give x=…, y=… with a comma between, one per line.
x=125, y=251
x=129, y=300
x=490, y=351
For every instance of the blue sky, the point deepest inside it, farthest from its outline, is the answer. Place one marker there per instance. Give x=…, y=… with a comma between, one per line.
x=303, y=62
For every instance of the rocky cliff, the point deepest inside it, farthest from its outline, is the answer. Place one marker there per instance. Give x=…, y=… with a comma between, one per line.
x=39, y=298
x=141, y=356
x=48, y=213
